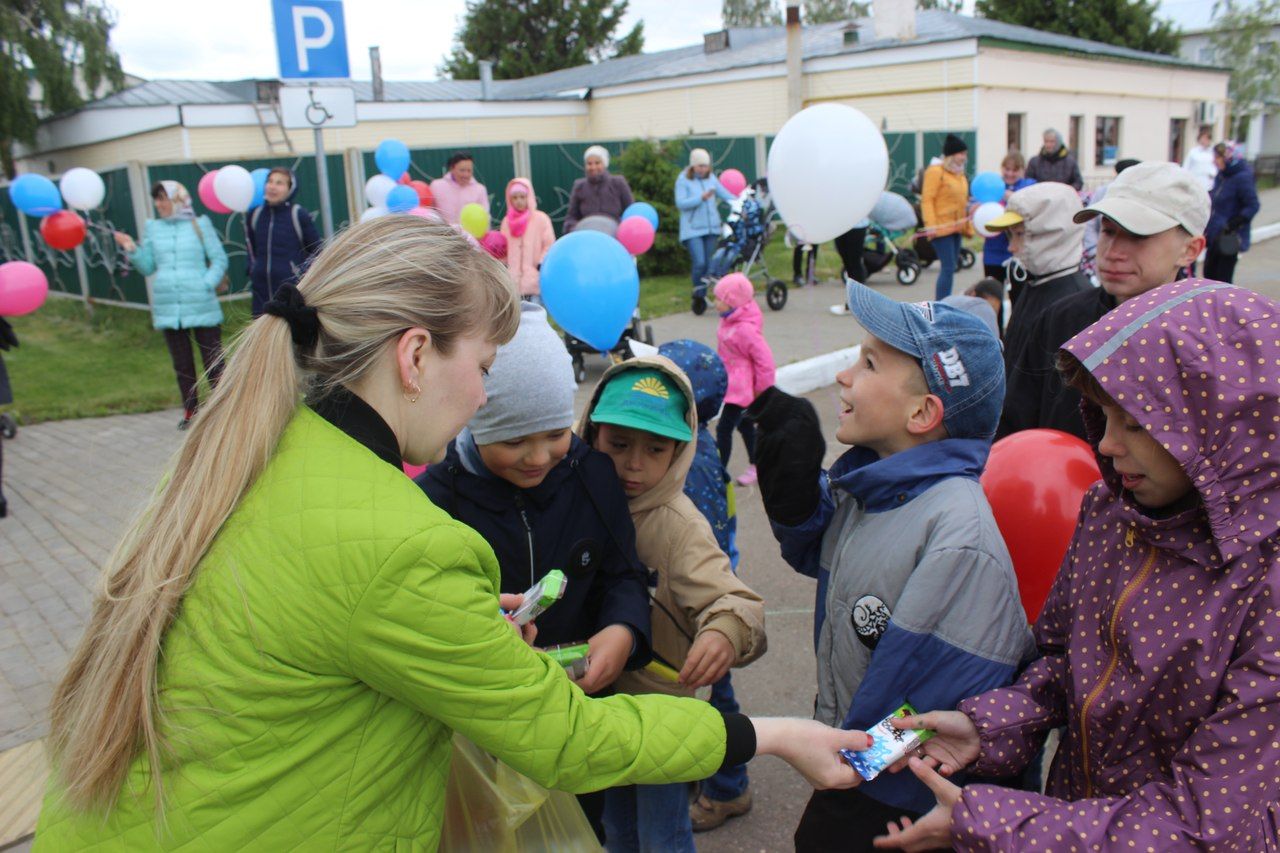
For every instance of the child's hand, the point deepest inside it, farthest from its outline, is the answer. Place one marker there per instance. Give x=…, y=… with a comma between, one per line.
x=933, y=830
x=953, y=747
x=709, y=659
x=509, y=602
x=607, y=652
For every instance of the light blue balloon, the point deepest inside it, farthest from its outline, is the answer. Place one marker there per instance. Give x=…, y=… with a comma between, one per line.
x=402, y=199
x=35, y=195
x=392, y=157
x=259, y=186
x=987, y=186
x=642, y=208
x=591, y=287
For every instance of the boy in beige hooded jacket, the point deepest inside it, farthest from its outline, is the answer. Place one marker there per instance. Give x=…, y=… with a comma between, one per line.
x=705, y=619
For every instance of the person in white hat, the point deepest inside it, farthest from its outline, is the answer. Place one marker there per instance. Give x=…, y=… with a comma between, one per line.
x=598, y=193
x=696, y=191
x=1153, y=221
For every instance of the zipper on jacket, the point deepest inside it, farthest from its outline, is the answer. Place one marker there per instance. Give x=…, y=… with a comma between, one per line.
x=271, y=226
x=528, y=532
x=1130, y=588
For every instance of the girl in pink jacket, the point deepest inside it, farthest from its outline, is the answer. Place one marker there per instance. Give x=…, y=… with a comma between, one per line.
x=529, y=235
x=749, y=361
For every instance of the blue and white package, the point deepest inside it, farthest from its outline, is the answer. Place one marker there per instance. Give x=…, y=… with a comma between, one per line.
x=888, y=745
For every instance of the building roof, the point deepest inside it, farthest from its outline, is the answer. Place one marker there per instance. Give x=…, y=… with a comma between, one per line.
x=747, y=47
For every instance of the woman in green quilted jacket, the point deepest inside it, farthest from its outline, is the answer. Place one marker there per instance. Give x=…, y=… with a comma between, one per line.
x=285, y=641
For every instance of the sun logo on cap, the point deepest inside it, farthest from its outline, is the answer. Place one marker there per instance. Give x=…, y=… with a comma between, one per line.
x=651, y=386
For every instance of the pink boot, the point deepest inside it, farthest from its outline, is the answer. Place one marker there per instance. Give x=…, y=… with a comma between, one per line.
x=748, y=476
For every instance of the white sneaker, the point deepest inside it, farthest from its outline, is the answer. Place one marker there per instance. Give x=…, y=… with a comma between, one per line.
x=839, y=310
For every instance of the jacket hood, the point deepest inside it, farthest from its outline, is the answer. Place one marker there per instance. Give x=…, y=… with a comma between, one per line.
x=706, y=373
x=528, y=185
x=293, y=190
x=1054, y=241
x=746, y=314
x=1194, y=363
x=884, y=484
x=673, y=483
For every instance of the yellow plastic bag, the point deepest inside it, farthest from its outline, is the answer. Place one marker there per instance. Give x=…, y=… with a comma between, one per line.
x=490, y=808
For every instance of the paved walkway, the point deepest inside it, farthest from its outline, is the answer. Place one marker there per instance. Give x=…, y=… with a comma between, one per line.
x=72, y=486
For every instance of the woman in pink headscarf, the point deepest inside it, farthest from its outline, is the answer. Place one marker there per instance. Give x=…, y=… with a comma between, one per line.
x=529, y=235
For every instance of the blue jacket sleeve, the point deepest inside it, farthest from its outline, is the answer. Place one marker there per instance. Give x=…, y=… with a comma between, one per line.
x=213, y=251
x=310, y=236
x=687, y=196
x=802, y=544
x=143, y=257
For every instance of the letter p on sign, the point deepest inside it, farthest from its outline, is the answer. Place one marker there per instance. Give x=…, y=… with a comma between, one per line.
x=311, y=39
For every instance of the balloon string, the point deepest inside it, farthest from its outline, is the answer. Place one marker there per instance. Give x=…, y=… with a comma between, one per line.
x=933, y=229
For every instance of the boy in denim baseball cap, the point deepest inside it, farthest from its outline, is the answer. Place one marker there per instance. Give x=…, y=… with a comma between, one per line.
x=916, y=592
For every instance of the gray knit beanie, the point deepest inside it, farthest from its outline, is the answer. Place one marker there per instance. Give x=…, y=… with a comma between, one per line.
x=530, y=386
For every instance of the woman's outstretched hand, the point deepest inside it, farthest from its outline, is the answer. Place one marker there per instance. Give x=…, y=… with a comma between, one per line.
x=124, y=241
x=933, y=830
x=811, y=748
x=953, y=747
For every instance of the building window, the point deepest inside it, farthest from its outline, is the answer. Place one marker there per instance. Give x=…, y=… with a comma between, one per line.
x=1014, y=135
x=1205, y=55
x=1073, y=135
x=1177, y=139
x=1106, y=141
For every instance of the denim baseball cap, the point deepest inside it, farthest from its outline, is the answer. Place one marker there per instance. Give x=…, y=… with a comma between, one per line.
x=960, y=357
x=644, y=399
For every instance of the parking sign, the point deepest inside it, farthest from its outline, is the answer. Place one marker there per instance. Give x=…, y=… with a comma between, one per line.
x=311, y=39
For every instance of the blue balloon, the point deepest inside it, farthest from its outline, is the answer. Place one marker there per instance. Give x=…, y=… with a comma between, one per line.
x=642, y=208
x=402, y=199
x=987, y=186
x=392, y=158
x=259, y=186
x=35, y=195
x=591, y=287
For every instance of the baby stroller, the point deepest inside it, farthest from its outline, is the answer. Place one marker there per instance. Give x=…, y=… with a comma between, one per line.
x=580, y=349
x=878, y=249
x=924, y=249
x=750, y=226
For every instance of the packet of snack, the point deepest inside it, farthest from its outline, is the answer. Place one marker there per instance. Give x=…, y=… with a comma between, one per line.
x=888, y=745
x=571, y=656
x=540, y=596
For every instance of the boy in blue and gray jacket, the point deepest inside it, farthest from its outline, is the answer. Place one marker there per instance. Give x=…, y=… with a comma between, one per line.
x=917, y=600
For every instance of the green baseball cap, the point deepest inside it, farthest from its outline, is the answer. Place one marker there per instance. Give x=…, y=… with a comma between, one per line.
x=645, y=399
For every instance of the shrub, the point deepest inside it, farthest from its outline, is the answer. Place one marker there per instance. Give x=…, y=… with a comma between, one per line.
x=650, y=168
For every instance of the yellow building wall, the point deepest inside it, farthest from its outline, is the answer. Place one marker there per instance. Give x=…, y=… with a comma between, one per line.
x=154, y=145
x=738, y=108
x=933, y=95
x=1048, y=89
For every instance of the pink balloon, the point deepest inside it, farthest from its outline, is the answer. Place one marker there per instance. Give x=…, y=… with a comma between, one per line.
x=23, y=288
x=636, y=235
x=425, y=213
x=495, y=244
x=208, y=196
x=733, y=180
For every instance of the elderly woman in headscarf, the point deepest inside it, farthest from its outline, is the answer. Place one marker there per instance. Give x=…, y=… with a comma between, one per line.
x=1234, y=200
x=183, y=253
x=599, y=193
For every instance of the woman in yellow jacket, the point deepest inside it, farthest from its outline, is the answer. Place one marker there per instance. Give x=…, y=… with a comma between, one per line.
x=944, y=206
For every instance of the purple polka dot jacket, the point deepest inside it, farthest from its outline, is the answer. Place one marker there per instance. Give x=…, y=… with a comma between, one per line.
x=1160, y=641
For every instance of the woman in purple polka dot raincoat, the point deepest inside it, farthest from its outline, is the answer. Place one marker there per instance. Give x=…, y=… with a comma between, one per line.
x=1160, y=642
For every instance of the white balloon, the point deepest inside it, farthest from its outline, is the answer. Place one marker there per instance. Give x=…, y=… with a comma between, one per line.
x=827, y=167
x=233, y=185
x=373, y=213
x=983, y=214
x=377, y=188
x=82, y=188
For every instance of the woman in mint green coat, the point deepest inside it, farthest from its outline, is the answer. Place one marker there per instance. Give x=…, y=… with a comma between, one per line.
x=286, y=641
x=186, y=259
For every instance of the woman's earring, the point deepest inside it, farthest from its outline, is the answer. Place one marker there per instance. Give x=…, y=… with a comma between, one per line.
x=412, y=394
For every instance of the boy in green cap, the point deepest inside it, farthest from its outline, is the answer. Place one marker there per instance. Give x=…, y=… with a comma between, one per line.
x=705, y=619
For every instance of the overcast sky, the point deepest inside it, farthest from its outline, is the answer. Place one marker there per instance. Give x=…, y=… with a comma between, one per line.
x=166, y=39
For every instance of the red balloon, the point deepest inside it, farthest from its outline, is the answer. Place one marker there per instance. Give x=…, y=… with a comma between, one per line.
x=63, y=230
x=425, y=198
x=404, y=179
x=1034, y=481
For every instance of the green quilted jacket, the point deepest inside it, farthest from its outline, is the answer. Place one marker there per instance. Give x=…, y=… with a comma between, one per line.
x=339, y=630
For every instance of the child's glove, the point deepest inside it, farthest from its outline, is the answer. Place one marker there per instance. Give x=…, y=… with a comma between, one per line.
x=789, y=451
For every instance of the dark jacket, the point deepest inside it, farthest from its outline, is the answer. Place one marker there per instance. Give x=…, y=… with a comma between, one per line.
x=1059, y=167
x=1235, y=202
x=1021, y=347
x=7, y=339
x=607, y=196
x=575, y=520
x=1034, y=396
x=707, y=483
x=280, y=239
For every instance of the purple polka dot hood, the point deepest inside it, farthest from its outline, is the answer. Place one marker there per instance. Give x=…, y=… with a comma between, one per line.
x=1160, y=641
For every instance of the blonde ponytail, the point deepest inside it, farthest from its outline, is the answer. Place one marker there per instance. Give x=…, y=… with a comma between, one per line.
x=372, y=283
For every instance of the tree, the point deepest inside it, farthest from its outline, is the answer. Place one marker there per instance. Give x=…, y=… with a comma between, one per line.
x=750, y=13
x=1241, y=39
x=651, y=168
x=1126, y=23
x=527, y=37
x=827, y=11
x=944, y=5
x=58, y=45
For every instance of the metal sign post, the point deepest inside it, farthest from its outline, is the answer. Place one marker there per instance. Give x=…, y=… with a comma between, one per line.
x=318, y=107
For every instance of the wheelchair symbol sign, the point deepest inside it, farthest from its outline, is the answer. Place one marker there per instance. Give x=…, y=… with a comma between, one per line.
x=304, y=107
